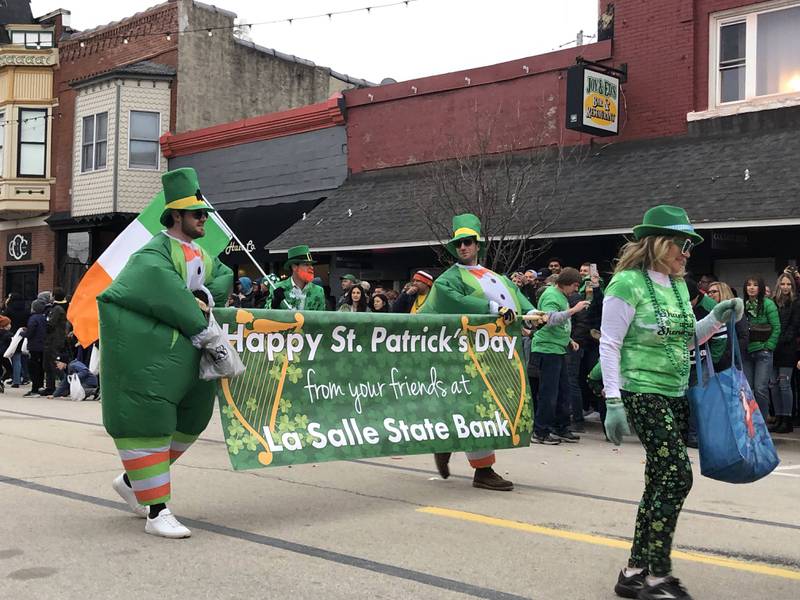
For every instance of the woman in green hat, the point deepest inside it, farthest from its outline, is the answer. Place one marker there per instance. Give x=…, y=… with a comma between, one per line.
x=648, y=328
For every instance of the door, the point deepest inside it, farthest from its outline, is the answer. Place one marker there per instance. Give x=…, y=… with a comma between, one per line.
x=23, y=281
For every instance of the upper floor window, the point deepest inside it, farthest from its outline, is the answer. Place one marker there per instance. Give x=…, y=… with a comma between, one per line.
x=94, y=145
x=143, y=150
x=2, y=141
x=757, y=53
x=33, y=39
x=32, y=156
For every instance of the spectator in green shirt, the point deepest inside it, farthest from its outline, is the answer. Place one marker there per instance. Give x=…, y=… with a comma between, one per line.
x=548, y=354
x=765, y=331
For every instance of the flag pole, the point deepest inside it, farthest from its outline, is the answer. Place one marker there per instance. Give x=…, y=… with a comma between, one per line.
x=226, y=228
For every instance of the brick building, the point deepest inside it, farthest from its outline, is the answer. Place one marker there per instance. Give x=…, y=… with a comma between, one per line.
x=708, y=118
x=123, y=85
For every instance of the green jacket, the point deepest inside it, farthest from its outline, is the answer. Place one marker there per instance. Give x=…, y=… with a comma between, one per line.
x=718, y=344
x=458, y=292
x=147, y=319
x=315, y=296
x=552, y=339
x=769, y=314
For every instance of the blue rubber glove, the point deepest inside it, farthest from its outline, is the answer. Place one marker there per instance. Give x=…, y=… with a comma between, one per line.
x=722, y=312
x=616, y=422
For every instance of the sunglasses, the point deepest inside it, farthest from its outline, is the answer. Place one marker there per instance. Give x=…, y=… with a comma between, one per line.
x=199, y=214
x=464, y=242
x=686, y=245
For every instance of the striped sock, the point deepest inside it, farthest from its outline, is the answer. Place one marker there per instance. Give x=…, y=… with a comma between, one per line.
x=480, y=459
x=146, y=461
x=179, y=444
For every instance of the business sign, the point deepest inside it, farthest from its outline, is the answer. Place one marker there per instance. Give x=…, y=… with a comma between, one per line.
x=592, y=101
x=19, y=247
x=325, y=386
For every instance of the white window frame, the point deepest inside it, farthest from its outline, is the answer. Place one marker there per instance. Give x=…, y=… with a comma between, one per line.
x=749, y=16
x=157, y=167
x=94, y=143
x=43, y=143
x=2, y=141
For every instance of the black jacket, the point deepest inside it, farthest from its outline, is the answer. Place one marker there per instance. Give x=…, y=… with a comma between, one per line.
x=18, y=314
x=785, y=354
x=581, y=322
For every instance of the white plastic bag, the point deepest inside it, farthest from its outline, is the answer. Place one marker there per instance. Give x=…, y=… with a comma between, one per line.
x=25, y=347
x=76, y=391
x=219, y=360
x=94, y=361
x=12, y=347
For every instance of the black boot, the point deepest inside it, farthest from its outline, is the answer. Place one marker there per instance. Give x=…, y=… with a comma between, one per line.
x=785, y=425
x=443, y=463
x=486, y=478
x=777, y=425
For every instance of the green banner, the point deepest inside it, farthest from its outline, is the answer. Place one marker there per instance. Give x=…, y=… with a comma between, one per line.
x=338, y=386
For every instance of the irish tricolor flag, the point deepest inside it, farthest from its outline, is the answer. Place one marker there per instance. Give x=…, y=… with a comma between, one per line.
x=83, y=308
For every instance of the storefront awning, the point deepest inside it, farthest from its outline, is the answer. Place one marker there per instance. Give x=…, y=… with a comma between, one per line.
x=735, y=172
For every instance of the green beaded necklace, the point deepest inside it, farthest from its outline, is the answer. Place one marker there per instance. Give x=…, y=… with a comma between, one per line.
x=662, y=320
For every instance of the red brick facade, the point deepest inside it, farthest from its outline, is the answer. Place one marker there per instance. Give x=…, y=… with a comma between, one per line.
x=42, y=260
x=663, y=42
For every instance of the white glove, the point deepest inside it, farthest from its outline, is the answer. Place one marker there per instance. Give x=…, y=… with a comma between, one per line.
x=202, y=339
x=494, y=307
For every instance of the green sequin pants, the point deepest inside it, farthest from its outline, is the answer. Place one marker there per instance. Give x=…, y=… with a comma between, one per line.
x=661, y=423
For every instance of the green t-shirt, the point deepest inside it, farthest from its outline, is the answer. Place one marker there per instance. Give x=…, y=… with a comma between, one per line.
x=552, y=339
x=654, y=358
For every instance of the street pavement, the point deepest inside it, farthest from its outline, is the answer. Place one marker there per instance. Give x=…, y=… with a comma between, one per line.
x=376, y=528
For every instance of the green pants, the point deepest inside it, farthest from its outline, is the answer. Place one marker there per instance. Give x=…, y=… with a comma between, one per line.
x=661, y=423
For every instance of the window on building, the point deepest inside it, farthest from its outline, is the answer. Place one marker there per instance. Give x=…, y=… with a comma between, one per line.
x=758, y=52
x=32, y=156
x=33, y=39
x=144, y=151
x=2, y=141
x=94, y=144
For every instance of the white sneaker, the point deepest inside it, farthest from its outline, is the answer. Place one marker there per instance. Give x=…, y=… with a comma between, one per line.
x=127, y=494
x=593, y=416
x=166, y=525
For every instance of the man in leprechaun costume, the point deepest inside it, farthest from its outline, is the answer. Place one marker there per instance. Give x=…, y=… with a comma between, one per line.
x=153, y=325
x=297, y=292
x=468, y=288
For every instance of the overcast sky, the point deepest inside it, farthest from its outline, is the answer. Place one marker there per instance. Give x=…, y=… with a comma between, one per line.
x=425, y=38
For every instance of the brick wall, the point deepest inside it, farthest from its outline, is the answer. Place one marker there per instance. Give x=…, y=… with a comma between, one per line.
x=43, y=250
x=663, y=42
x=102, y=52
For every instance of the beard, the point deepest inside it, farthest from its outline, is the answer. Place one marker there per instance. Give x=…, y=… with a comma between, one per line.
x=191, y=231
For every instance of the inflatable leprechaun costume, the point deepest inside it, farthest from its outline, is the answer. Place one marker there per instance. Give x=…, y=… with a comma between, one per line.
x=467, y=288
x=153, y=322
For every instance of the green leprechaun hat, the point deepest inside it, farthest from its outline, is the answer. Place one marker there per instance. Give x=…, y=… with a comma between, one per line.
x=465, y=226
x=299, y=255
x=666, y=220
x=182, y=192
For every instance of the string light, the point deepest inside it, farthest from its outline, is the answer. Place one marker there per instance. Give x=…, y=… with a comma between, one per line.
x=289, y=20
